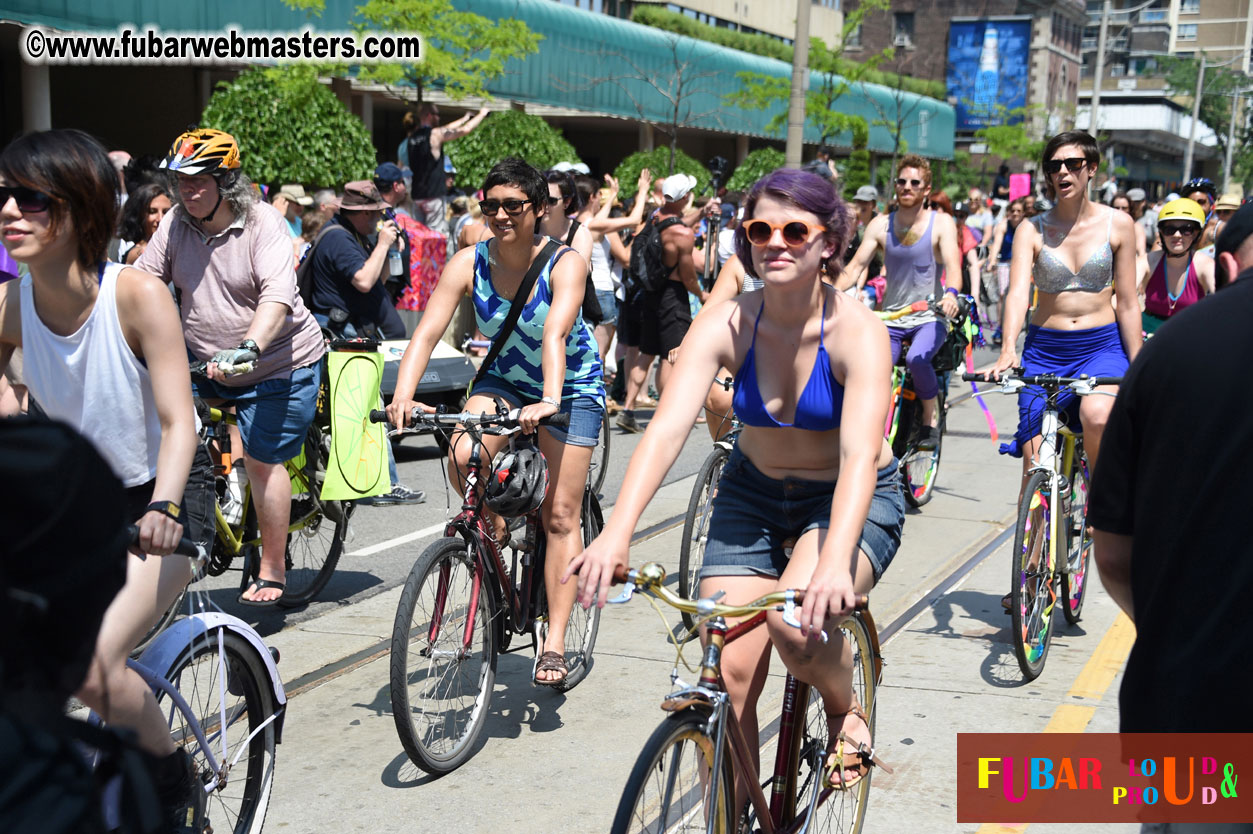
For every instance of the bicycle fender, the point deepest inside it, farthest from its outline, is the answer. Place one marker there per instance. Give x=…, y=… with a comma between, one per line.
x=169, y=644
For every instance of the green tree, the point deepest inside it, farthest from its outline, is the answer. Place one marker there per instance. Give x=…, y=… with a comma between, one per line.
x=508, y=133
x=1013, y=138
x=857, y=172
x=461, y=51
x=290, y=128
x=1217, y=96
x=756, y=165
x=902, y=113
x=657, y=161
x=762, y=91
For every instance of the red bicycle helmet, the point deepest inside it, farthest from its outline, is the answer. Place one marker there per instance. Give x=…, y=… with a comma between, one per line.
x=518, y=483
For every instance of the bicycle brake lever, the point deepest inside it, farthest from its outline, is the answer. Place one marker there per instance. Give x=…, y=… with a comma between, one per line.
x=628, y=591
x=789, y=613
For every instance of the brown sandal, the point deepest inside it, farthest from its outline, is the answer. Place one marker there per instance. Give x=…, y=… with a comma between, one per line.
x=861, y=759
x=550, y=662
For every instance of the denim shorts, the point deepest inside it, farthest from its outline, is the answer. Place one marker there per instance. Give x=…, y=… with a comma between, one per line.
x=608, y=307
x=197, y=514
x=753, y=514
x=274, y=415
x=585, y=412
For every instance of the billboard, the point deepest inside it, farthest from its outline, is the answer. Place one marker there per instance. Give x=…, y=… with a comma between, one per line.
x=988, y=69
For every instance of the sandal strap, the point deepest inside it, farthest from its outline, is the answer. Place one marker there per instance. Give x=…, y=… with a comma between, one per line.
x=262, y=584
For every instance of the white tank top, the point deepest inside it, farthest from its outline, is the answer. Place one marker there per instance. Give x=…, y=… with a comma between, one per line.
x=603, y=277
x=91, y=380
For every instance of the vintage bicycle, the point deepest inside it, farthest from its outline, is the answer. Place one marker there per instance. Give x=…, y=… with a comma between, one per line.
x=462, y=604
x=1052, y=546
x=684, y=778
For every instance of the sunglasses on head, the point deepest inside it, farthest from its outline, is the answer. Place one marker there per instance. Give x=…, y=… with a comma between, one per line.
x=1073, y=165
x=795, y=232
x=901, y=182
x=28, y=200
x=1171, y=229
x=512, y=207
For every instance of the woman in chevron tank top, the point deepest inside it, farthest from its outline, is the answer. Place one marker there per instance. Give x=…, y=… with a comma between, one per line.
x=548, y=363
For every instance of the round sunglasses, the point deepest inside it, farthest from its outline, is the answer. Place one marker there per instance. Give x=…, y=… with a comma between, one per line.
x=795, y=232
x=29, y=201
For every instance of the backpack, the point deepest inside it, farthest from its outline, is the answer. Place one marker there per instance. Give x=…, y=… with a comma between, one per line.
x=304, y=272
x=646, y=271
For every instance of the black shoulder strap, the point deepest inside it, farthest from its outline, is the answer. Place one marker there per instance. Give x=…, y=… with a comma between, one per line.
x=515, y=309
x=574, y=227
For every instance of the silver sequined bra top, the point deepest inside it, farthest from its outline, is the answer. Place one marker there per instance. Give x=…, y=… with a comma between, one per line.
x=1053, y=276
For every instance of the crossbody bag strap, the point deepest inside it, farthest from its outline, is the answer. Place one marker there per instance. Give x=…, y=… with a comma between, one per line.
x=515, y=310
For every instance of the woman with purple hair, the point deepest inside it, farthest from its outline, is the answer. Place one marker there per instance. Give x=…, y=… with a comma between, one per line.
x=811, y=372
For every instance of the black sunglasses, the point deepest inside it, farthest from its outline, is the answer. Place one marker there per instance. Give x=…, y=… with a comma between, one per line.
x=512, y=207
x=1169, y=229
x=901, y=182
x=28, y=200
x=552, y=201
x=1073, y=164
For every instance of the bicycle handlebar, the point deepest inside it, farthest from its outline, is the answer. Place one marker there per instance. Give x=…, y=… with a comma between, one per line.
x=651, y=577
x=484, y=420
x=201, y=368
x=1010, y=383
x=727, y=383
x=185, y=546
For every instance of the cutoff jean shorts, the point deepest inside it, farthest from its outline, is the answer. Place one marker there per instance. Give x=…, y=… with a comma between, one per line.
x=753, y=514
x=585, y=412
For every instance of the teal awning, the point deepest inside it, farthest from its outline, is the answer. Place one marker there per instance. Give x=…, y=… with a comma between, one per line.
x=587, y=61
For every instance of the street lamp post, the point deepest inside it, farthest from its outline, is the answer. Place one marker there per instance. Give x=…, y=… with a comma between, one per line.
x=1093, y=121
x=800, y=79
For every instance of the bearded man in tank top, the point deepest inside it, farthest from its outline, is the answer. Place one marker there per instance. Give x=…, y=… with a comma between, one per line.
x=914, y=240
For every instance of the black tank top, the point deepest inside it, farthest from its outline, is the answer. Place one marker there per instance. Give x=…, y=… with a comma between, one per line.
x=428, y=171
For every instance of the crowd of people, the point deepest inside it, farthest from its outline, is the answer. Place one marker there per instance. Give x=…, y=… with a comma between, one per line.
x=770, y=287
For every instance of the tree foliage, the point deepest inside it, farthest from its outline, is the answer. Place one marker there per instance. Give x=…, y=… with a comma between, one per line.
x=761, y=91
x=857, y=171
x=657, y=161
x=661, y=18
x=508, y=133
x=756, y=165
x=1013, y=141
x=1217, y=96
x=461, y=51
x=290, y=128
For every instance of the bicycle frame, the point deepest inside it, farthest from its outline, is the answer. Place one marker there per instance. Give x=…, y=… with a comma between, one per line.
x=1059, y=464
x=780, y=806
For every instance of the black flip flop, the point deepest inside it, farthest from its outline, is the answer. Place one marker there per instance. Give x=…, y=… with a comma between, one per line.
x=260, y=585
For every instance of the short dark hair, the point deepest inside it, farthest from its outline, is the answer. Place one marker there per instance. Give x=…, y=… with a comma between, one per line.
x=564, y=181
x=73, y=168
x=134, y=225
x=808, y=192
x=520, y=174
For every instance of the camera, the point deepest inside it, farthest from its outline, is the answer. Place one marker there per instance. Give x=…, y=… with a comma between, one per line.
x=718, y=169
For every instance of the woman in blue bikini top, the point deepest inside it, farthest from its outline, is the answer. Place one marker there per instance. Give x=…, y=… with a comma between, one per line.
x=811, y=368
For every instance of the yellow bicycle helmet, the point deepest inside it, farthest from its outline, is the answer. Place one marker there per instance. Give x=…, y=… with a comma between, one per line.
x=1182, y=209
x=203, y=151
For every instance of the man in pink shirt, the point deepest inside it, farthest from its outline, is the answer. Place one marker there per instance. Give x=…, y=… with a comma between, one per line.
x=229, y=257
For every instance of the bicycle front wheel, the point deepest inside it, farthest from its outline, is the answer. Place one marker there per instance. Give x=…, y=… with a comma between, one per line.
x=696, y=526
x=443, y=657
x=228, y=712
x=670, y=789
x=921, y=467
x=837, y=811
x=583, y=624
x=1075, y=572
x=1032, y=591
x=316, y=541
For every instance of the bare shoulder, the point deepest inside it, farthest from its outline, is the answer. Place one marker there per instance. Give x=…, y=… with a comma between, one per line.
x=139, y=291
x=460, y=266
x=878, y=226
x=944, y=223
x=1122, y=226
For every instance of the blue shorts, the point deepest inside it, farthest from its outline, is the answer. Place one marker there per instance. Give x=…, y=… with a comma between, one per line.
x=585, y=412
x=274, y=416
x=608, y=307
x=1096, y=351
x=753, y=514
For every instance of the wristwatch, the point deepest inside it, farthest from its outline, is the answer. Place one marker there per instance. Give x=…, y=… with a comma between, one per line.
x=166, y=508
x=249, y=344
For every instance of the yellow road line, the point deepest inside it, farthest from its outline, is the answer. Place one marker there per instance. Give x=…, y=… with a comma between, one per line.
x=1091, y=684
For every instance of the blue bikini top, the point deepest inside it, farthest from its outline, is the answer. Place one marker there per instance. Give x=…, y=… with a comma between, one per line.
x=818, y=408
